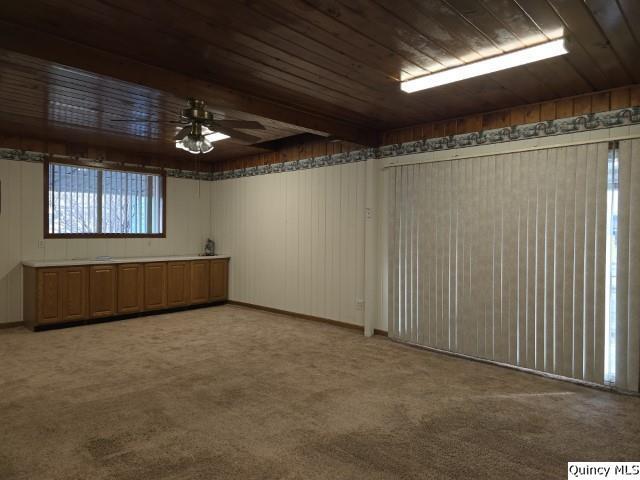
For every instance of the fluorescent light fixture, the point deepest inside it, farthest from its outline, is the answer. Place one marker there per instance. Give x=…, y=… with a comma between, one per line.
x=488, y=65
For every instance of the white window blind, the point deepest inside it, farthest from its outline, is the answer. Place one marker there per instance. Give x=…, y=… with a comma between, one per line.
x=92, y=201
x=503, y=257
x=627, y=331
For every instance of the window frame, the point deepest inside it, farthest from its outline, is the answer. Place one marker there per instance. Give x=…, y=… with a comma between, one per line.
x=99, y=166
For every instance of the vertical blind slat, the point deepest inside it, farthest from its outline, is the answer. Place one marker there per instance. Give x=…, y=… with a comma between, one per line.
x=634, y=270
x=600, y=265
x=628, y=264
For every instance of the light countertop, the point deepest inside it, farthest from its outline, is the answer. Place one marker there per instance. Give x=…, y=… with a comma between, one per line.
x=96, y=261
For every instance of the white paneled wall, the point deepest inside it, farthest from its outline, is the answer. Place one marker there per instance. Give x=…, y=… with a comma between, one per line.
x=296, y=239
x=21, y=230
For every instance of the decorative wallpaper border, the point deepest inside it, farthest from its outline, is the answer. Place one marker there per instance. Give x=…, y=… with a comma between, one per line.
x=579, y=123
x=591, y=121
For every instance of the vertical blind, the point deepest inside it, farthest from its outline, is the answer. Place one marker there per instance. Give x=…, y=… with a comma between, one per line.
x=627, y=346
x=85, y=200
x=503, y=257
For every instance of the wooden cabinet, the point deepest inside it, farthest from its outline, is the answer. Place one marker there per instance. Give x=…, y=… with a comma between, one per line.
x=55, y=295
x=199, y=281
x=102, y=291
x=74, y=294
x=178, y=284
x=218, y=279
x=155, y=285
x=49, y=300
x=130, y=288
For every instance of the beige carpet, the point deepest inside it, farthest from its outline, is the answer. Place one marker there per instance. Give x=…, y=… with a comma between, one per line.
x=229, y=392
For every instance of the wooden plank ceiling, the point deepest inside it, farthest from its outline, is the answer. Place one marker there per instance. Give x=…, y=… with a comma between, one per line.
x=38, y=97
x=330, y=66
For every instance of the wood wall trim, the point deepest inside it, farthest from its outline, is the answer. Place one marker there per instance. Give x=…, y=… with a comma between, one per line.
x=303, y=316
x=11, y=325
x=603, y=101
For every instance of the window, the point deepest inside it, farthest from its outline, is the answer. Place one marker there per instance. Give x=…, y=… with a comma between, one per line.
x=85, y=201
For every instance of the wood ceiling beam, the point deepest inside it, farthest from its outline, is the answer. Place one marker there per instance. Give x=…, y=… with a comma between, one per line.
x=56, y=49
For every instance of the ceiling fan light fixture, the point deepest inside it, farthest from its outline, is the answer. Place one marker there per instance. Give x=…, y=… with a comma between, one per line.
x=205, y=145
x=200, y=142
x=195, y=144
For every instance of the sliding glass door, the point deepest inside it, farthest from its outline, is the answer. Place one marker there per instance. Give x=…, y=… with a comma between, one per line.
x=505, y=257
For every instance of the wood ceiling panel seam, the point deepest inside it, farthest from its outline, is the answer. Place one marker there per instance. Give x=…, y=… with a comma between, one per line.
x=542, y=14
x=55, y=49
x=364, y=102
x=275, y=77
x=631, y=12
x=78, y=122
x=540, y=88
x=384, y=28
x=108, y=89
x=601, y=54
x=507, y=86
x=557, y=75
x=333, y=49
x=379, y=93
x=83, y=120
x=302, y=85
x=81, y=101
x=501, y=85
x=335, y=36
x=612, y=22
x=265, y=26
x=459, y=91
x=476, y=41
x=495, y=99
x=174, y=114
x=280, y=65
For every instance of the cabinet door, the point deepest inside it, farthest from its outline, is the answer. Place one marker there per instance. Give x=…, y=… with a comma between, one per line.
x=102, y=291
x=130, y=288
x=178, y=284
x=155, y=285
x=219, y=280
x=199, y=281
x=75, y=294
x=50, y=295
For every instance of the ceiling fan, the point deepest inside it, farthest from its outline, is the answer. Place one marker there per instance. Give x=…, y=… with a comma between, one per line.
x=200, y=128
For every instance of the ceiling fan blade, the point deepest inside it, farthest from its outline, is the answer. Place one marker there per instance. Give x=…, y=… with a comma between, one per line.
x=134, y=120
x=183, y=132
x=245, y=124
x=235, y=134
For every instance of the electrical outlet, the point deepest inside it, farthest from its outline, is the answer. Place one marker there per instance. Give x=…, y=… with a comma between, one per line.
x=40, y=243
x=359, y=304
x=368, y=213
